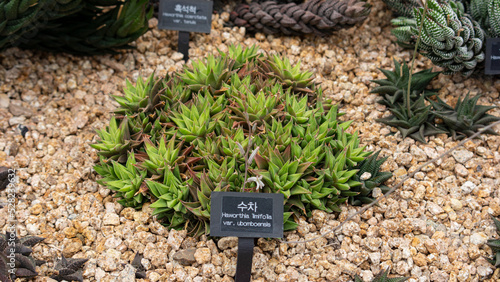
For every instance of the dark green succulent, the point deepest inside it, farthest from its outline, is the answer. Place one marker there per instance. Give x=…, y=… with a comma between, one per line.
x=416, y=123
x=487, y=13
x=382, y=277
x=245, y=122
x=140, y=271
x=73, y=26
x=370, y=177
x=466, y=118
x=20, y=250
x=494, y=244
x=396, y=83
x=416, y=118
x=450, y=38
x=69, y=269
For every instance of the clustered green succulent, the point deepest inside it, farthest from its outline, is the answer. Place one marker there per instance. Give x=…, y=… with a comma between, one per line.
x=494, y=244
x=419, y=121
x=243, y=121
x=453, y=34
x=382, y=277
x=73, y=26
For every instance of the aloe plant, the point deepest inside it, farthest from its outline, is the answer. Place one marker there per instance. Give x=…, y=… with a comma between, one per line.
x=244, y=121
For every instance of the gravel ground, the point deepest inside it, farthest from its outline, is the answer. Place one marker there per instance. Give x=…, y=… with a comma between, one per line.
x=433, y=229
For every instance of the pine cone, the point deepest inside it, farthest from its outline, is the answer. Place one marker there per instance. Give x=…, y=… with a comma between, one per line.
x=321, y=17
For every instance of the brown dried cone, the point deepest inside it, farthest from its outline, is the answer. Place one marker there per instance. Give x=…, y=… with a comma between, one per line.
x=321, y=17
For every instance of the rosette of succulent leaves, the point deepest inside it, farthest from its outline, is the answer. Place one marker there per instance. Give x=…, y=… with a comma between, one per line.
x=25, y=265
x=69, y=269
x=453, y=34
x=243, y=121
x=73, y=26
x=420, y=119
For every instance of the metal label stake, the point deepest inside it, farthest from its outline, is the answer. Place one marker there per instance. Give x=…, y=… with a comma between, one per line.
x=244, y=260
x=247, y=216
x=183, y=44
x=185, y=16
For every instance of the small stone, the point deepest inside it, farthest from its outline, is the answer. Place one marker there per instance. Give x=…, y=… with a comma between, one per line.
x=455, y=204
x=99, y=274
x=418, y=153
x=430, y=152
x=112, y=242
x=176, y=56
x=141, y=217
x=434, y=208
x=4, y=101
x=402, y=267
x=376, y=192
x=478, y=238
x=71, y=83
x=175, y=238
x=431, y=246
x=185, y=257
x=468, y=187
x=461, y=170
x=225, y=17
x=108, y=261
x=16, y=120
x=462, y=156
x=36, y=209
x=127, y=274
x=366, y=275
x=111, y=219
x=484, y=270
x=203, y=255
x=373, y=244
x=227, y=243
x=18, y=110
x=365, y=176
x=420, y=259
x=73, y=247
x=81, y=119
x=350, y=228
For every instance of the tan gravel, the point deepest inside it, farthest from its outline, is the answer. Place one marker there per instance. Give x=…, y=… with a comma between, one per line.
x=433, y=229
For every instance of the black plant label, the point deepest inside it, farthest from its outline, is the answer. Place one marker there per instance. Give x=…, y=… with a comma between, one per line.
x=250, y=215
x=492, y=56
x=186, y=15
